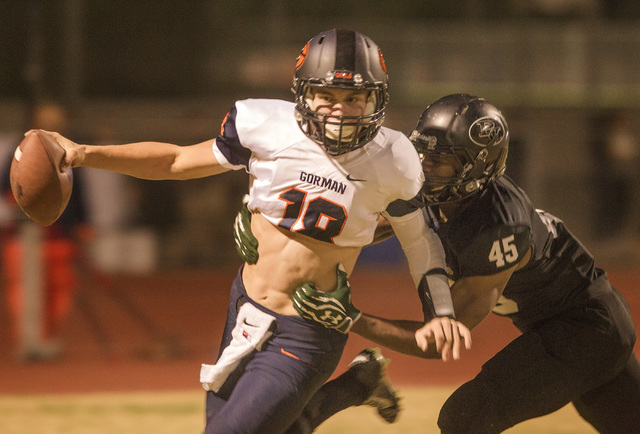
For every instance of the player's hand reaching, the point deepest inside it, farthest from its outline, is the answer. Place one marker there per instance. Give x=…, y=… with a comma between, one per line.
x=448, y=335
x=246, y=243
x=331, y=309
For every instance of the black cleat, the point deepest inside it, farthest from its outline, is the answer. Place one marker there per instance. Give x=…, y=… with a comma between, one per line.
x=369, y=367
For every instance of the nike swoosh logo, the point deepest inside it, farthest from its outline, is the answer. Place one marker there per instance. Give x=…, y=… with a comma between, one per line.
x=349, y=178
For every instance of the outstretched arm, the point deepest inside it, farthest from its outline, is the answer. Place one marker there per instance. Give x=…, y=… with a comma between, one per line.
x=146, y=160
x=439, y=338
x=425, y=257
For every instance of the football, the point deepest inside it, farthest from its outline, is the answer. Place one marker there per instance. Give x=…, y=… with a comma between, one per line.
x=40, y=187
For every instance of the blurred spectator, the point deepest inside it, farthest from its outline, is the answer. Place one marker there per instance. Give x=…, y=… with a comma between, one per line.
x=617, y=175
x=36, y=322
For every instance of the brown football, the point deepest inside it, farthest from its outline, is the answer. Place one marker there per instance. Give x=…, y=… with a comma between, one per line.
x=40, y=187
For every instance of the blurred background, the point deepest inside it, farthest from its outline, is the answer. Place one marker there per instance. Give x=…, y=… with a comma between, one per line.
x=565, y=72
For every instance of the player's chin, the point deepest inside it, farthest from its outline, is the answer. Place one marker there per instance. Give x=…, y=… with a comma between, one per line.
x=342, y=134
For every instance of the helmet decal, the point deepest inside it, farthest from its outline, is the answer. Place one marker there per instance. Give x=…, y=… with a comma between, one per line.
x=485, y=131
x=302, y=56
x=382, y=62
x=343, y=75
x=427, y=141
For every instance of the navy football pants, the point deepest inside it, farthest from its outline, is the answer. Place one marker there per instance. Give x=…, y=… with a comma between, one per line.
x=270, y=388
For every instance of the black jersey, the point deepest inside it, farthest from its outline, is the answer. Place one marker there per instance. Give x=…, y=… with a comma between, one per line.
x=493, y=231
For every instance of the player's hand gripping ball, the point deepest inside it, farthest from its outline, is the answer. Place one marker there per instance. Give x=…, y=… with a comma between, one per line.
x=39, y=185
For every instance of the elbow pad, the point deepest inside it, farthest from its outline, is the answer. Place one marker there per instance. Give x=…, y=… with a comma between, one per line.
x=420, y=244
x=426, y=259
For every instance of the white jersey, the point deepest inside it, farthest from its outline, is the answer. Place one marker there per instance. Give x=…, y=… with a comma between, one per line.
x=296, y=185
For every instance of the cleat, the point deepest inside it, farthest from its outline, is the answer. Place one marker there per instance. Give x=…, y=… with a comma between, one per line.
x=368, y=367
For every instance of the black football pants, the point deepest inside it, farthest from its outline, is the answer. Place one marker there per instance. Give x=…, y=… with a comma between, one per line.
x=584, y=356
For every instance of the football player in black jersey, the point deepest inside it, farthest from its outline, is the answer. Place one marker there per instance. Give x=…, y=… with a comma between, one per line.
x=507, y=257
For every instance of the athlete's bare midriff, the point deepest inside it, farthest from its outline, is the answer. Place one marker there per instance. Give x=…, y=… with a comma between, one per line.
x=287, y=260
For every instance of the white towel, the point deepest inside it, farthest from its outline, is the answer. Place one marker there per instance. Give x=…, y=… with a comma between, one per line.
x=251, y=331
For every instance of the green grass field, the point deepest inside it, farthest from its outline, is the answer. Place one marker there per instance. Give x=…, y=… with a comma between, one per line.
x=182, y=412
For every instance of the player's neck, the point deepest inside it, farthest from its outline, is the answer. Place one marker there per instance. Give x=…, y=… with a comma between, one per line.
x=448, y=209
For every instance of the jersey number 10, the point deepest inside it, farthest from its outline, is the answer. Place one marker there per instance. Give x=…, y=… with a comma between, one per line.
x=321, y=219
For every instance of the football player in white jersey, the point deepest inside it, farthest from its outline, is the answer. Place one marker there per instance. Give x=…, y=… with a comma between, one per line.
x=321, y=172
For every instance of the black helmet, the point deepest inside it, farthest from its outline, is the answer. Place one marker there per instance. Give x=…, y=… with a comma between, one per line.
x=342, y=59
x=472, y=130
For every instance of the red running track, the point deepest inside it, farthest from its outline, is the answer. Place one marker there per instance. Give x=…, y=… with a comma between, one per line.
x=107, y=350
